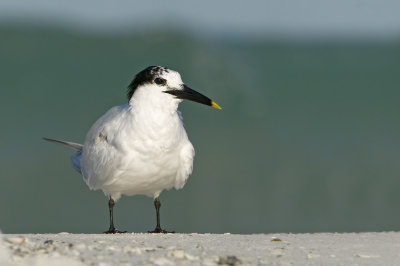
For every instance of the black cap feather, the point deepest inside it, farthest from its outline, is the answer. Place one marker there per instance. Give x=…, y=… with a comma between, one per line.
x=147, y=75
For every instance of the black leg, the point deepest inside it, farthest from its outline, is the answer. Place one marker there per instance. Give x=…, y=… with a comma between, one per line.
x=112, y=229
x=158, y=229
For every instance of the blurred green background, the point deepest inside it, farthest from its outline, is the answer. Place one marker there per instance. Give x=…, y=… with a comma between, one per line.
x=307, y=141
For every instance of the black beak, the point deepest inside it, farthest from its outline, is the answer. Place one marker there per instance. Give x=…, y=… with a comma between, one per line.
x=192, y=95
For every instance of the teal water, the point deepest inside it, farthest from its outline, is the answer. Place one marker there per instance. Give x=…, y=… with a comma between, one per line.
x=307, y=141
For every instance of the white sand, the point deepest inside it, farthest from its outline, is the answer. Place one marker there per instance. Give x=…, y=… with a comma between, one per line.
x=201, y=249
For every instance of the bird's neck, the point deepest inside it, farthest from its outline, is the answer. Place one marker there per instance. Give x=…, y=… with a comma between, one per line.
x=151, y=100
x=155, y=112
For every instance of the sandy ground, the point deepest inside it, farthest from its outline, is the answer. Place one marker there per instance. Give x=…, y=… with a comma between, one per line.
x=201, y=249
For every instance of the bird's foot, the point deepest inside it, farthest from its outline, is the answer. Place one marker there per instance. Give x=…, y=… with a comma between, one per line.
x=113, y=230
x=158, y=230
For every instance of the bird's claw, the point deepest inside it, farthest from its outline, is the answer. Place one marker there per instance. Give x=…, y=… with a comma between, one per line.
x=158, y=230
x=114, y=231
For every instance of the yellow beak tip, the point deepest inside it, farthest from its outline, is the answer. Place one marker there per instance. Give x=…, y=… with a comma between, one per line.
x=215, y=105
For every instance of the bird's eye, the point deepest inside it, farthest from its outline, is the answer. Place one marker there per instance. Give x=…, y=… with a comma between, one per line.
x=160, y=81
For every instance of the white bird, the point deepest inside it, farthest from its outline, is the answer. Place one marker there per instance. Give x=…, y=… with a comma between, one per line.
x=140, y=148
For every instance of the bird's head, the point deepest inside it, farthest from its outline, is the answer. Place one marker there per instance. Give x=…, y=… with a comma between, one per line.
x=165, y=84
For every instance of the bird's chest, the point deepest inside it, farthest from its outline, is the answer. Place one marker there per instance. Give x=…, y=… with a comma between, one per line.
x=155, y=142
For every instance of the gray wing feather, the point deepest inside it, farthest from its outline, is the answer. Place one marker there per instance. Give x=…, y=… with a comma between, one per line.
x=73, y=145
x=76, y=161
x=76, y=157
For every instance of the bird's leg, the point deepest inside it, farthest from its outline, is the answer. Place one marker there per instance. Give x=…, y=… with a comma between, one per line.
x=112, y=229
x=111, y=204
x=158, y=229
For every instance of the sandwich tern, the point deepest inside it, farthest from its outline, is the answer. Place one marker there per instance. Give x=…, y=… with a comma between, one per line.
x=140, y=148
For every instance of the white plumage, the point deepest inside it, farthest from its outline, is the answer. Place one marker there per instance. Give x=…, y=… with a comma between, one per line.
x=140, y=147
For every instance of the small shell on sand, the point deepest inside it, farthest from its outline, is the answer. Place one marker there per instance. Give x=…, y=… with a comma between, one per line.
x=17, y=240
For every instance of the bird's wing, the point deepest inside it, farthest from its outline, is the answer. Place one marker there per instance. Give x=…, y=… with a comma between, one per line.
x=73, y=145
x=76, y=157
x=102, y=158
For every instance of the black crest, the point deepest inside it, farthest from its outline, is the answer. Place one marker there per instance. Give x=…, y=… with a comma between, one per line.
x=145, y=76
